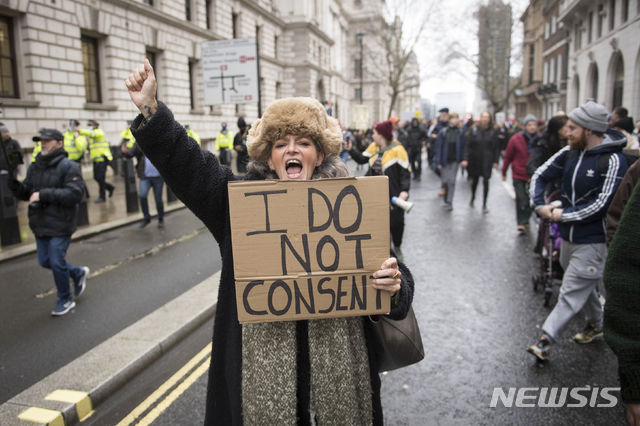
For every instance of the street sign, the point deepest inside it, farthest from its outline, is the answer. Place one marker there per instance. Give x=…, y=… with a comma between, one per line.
x=230, y=71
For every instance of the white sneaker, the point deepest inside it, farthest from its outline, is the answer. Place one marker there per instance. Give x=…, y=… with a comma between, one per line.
x=82, y=284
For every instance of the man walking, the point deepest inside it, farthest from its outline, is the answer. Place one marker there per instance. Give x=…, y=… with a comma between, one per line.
x=591, y=168
x=54, y=187
x=416, y=136
x=100, y=154
x=11, y=148
x=449, y=153
x=517, y=155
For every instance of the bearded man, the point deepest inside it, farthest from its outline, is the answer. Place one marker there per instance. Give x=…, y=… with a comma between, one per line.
x=591, y=168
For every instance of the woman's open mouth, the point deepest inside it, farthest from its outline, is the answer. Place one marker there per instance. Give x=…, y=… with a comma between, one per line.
x=293, y=169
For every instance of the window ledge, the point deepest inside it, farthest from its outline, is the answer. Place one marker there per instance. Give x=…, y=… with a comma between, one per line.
x=197, y=111
x=26, y=103
x=100, y=107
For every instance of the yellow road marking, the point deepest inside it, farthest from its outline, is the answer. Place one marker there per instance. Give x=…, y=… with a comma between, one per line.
x=42, y=416
x=81, y=400
x=151, y=399
x=175, y=394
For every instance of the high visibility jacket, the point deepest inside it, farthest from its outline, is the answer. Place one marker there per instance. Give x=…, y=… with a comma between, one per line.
x=98, y=145
x=224, y=140
x=193, y=135
x=127, y=136
x=74, y=145
x=36, y=151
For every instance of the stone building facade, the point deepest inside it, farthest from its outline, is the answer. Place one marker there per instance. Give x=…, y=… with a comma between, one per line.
x=67, y=59
x=555, y=59
x=604, y=54
x=528, y=101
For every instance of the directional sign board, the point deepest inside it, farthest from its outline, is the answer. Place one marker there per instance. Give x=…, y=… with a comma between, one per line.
x=230, y=71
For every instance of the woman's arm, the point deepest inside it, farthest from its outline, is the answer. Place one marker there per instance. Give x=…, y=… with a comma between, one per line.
x=194, y=175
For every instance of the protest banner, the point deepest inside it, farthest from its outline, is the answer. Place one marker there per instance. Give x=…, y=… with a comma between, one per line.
x=307, y=249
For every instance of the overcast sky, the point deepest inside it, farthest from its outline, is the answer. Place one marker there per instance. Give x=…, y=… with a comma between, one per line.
x=452, y=20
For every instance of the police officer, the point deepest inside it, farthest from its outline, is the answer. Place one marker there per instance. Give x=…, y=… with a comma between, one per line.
x=12, y=150
x=192, y=134
x=54, y=187
x=74, y=143
x=100, y=154
x=224, y=143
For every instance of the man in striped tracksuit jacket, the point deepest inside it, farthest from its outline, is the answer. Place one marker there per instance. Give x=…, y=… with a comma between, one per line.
x=591, y=168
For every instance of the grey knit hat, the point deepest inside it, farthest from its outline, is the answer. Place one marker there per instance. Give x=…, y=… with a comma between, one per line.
x=591, y=116
x=528, y=118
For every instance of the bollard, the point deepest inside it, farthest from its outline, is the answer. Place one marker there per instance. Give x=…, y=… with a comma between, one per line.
x=171, y=197
x=130, y=190
x=9, y=226
x=117, y=164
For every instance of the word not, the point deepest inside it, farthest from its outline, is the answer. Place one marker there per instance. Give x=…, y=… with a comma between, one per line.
x=554, y=397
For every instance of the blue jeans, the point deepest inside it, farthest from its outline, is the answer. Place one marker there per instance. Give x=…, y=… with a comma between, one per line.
x=146, y=184
x=51, y=255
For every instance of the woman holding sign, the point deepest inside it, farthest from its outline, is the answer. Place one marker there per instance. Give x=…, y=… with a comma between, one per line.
x=388, y=157
x=277, y=372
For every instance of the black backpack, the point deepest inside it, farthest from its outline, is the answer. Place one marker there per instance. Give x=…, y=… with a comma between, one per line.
x=603, y=161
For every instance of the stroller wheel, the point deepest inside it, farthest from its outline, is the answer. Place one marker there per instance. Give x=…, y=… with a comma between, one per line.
x=547, y=296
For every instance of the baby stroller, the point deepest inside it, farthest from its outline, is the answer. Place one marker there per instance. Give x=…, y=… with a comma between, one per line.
x=548, y=247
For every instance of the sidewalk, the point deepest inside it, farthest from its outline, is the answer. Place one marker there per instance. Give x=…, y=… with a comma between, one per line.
x=109, y=215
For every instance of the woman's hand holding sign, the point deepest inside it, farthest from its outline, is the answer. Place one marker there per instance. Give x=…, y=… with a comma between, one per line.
x=388, y=277
x=141, y=84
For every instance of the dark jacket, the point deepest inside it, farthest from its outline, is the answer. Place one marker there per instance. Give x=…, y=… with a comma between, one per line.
x=14, y=152
x=631, y=178
x=204, y=191
x=61, y=188
x=586, y=190
x=622, y=310
x=136, y=152
x=482, y=151
x=541, y=150
x=442, y=150
x=415, y=136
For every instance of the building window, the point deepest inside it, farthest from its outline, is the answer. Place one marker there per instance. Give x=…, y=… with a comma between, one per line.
x=208, y=8
x=590, y=28
x=600, y=20
x=8, y=80
x=358, y=94
x=193, y=67
x=357, y=69
x=275, y=47
x=594, y=83
x=91, y=66
x=545, y=73
x=532, y=51
x=149, y=2
x=552, y=69
x=553, y=23
x=578, y=36
x=278, y=90
x=612, y=14
x=559, y=75
x=618, y=83
x=187, y=9
x=546, y=30
x=234, y=25
x=624, y=11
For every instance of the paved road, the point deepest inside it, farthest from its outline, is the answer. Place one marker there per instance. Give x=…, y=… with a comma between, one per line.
x=134, y=271
x=474, y=301
x=478, y=312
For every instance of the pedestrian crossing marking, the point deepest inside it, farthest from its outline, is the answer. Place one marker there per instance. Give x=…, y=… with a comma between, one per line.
x=42, y=416
x=81, y=400
x=164, y=388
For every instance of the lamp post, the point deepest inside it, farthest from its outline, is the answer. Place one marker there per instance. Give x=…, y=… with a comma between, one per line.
x=359, y=37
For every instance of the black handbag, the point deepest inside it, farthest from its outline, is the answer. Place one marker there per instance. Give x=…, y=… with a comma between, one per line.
x=397, y=343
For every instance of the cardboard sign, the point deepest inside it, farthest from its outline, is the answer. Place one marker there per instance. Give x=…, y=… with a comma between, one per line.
x=307, y=249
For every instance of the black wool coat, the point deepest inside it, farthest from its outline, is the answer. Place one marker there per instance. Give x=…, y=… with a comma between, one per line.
x=482, y=151
x=200, y=182
x=59, y=182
